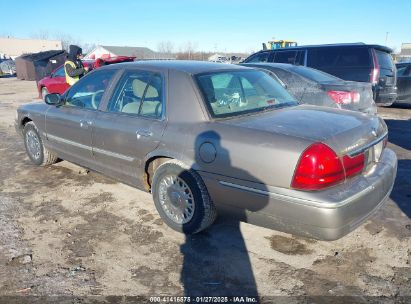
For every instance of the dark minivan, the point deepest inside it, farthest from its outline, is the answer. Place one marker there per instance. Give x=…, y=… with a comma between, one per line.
x=354, y=61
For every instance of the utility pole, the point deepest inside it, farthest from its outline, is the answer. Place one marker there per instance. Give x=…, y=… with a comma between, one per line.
x=386, y=38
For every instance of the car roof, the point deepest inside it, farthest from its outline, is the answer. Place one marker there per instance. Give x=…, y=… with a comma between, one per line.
x=186, y=66
x=356, y=44
x=284, y=66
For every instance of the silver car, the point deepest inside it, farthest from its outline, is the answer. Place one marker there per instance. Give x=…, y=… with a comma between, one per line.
x=209, y=138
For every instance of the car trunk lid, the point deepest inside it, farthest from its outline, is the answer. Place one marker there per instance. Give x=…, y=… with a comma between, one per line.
x=365, y=102
x=343, y=131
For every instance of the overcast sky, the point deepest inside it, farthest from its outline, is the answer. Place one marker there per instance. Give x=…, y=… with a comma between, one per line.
x=211, y=25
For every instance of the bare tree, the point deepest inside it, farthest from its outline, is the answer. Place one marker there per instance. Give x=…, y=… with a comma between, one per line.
x=188, y=51
x=88, y=47
x=66, y=40
x=165, y=47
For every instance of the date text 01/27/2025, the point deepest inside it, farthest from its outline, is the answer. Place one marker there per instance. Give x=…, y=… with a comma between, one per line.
x=239, y=299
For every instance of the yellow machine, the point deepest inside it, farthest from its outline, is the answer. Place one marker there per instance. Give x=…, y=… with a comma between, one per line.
x=278, y=44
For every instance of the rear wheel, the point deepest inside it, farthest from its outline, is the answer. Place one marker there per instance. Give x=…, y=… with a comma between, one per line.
x=181, y=198
x=44, y=92
x=35, y=149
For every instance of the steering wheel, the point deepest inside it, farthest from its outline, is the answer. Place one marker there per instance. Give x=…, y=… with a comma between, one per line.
x=93, y=98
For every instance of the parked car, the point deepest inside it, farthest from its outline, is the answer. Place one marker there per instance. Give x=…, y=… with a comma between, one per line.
x=208, y=137
x=315, y=87
x=404, y=82
x=7, y=67
x=56, y=82
x=354, y=61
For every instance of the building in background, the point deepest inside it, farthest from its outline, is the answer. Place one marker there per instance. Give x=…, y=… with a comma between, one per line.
x=405, y=54
x=106, y=51
x=14, y=47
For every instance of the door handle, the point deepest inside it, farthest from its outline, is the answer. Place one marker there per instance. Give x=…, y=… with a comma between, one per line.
x=143, y=132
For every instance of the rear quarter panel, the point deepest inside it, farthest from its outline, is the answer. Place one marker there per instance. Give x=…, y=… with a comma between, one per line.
x=243, y=154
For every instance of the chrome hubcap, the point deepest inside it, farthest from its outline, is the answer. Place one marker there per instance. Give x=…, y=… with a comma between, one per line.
x=33, y=144
x=176, y=199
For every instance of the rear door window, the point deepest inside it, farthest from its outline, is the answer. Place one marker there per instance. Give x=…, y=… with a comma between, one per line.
x=286, y=57
x=300, y=58
x=138, y=93
x=261, y=57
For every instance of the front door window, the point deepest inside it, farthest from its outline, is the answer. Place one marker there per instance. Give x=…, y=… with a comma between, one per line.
x=88, y=92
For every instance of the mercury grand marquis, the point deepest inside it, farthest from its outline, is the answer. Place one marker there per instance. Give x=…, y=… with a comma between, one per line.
x=208, y=138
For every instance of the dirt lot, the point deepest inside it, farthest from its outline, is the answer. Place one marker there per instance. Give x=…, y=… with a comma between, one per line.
x=66, y=231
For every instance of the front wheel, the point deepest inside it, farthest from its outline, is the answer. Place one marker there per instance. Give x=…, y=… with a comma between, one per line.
x=181, y=198
x=35, y=149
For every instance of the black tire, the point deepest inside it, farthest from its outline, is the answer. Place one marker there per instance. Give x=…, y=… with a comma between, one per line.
x=42, y=157
x=44, y=92
x=204, y=210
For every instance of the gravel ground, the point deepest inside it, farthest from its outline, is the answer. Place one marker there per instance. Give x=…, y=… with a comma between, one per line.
x=68, y=232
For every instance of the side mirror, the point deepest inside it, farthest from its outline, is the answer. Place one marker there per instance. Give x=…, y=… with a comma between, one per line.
x=53, y=99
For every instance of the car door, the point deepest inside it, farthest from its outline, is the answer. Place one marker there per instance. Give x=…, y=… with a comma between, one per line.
x=69, y=126
x=131, y=125
x=57, y=82
x=404, y=83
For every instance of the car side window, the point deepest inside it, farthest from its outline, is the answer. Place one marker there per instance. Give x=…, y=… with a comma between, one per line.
x=404, y=71
x=338, y=57
x=87, y=92
x=300, y=58
x=262, y=57
x=60, y=72
x=285, y=57
x=138, y=93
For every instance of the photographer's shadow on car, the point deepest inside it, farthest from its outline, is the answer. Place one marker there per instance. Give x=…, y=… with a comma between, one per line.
x=216, y=261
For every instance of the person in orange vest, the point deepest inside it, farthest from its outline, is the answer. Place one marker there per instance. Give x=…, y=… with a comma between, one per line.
x=73, y=67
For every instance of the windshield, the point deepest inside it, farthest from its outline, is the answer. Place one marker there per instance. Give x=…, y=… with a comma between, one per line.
x=314, y=75
x=232, y=93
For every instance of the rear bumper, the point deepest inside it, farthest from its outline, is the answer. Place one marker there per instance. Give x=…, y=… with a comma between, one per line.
x=325, y=215
x=385, y=95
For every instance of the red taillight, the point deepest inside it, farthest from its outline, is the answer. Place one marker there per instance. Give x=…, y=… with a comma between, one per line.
x=355, y=96
x=319, y=167
x=353, y=165
x=344, y=97
x=375, y=73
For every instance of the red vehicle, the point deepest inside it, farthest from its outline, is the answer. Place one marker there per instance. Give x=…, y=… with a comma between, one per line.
x=56, y=82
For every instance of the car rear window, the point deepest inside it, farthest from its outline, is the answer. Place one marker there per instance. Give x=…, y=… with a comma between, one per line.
x=233, y=93
x=339, y=57
x=384, y=59
x=313, y=74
